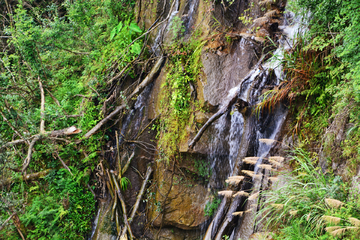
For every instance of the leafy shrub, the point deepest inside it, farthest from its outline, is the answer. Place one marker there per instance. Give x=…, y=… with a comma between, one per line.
x=211, y=207
x=63, y=212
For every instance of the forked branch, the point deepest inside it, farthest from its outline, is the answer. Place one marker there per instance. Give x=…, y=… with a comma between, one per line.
x=225, y=107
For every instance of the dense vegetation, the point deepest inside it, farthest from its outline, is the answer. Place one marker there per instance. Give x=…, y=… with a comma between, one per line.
x=59, y=62
x=323, y=89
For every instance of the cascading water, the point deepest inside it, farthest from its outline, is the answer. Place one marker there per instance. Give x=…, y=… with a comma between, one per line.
x=266, y=126
x=236, y=134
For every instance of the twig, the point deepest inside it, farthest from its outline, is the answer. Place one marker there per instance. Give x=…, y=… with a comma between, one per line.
x=141, y=132
x=63, y=163
x=3, y=225
x=127, y=163
x=138, y=90
x=138, y=198
x=53, y=98
x=120, y=73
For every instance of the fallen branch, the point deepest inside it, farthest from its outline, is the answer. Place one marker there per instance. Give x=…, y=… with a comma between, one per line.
x=122, y=201
x=53, y=134
x=7, y=220
x=120, y=73
x=16, y=221
x=225, y=107
x=123, y=170
x=149, y=78
x=29, y=154
x=27, y=177
x=138, y=198
x=64, y=164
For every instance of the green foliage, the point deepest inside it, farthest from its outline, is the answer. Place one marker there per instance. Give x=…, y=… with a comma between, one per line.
x=71, y=47
x=332, y=27
x=203, y=168
x=301, y=206
x=211, y=207
x=63, y=211
x=183, y=67
x=124, y=183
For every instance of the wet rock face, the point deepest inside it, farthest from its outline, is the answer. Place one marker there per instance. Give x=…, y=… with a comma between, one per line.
x=225, y=71
x=179, y=200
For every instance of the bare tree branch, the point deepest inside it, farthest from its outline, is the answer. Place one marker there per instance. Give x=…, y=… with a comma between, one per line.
x=138, y=198
x=225, y=107
x=123, y=170
x=122, y=201
x=149, y=78
x=52, y=135
x=53, y=98
x=28, y=158
x=7, y=220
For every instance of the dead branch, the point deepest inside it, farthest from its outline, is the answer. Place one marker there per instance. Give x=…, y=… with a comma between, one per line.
x=63, y=163
x=51, y=135
x=53, y=98
x=149, y=78
x=118, y=155
x=42, y=107
x=28, y=158
x=138, y=198
x=122, y=201
x=225, y=107
x=6, y=221
x=16, y=221
x=28, y=177
x=120, y=73
x=123, y=170
x=141, y=132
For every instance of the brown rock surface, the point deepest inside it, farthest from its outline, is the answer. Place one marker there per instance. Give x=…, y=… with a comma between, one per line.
x=185, y=202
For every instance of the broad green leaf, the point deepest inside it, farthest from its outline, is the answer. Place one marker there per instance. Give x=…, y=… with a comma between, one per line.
x=112, y=34
x=119, y=26
x=136, y=48
x=135, y=28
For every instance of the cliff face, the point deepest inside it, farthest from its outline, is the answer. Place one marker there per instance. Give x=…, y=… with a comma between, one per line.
x=232, y=55
x=232, y=41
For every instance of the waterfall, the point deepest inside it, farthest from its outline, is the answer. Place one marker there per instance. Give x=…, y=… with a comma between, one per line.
x=266, y=126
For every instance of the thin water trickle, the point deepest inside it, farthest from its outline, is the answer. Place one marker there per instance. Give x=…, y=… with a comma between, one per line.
x=164, y=29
